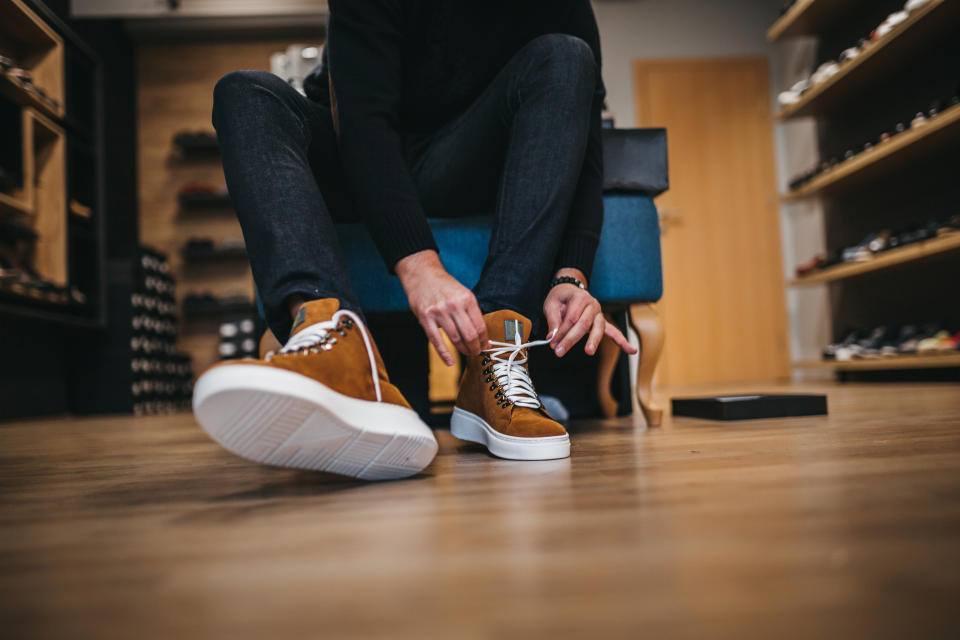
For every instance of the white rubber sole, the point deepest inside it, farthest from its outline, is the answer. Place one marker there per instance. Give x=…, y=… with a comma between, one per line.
x=473, y=428
x=282, y=418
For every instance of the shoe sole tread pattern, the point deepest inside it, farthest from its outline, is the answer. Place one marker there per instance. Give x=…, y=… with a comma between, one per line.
x=285, y=419
x=472, y=428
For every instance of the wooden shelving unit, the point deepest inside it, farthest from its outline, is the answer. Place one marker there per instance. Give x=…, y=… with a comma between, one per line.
x=61, y=269
x=913, y=58
x=892, y=258
x=923, y=26
x=14, y=89
x=807, y=17
x=933, y=361
x=885, y=157
x=20, y=198
x=34, y=44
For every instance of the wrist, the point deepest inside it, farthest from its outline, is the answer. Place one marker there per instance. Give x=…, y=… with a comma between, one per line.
x=570, y=272
x=419, y=263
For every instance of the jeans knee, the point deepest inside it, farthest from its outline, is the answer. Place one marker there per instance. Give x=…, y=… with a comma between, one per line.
x=566, y=58
x=237, y=87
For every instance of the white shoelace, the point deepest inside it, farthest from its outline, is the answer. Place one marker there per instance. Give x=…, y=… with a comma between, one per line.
x=510, y=373
x=317, y=336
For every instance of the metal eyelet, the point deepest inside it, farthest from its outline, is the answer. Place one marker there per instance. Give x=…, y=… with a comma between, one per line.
x=489, y=379
x=492, y=387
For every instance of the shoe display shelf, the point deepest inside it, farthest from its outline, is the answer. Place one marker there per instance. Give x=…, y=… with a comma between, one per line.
x=933, y=361
x=901, y=64
x=885, y=158
x=49, y=165
x=193, y=202
x=807, y=17
x=894, y=257
x=928, y=23
x=136, y=367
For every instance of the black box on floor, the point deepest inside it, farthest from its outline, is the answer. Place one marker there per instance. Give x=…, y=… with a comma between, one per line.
x=750, y=407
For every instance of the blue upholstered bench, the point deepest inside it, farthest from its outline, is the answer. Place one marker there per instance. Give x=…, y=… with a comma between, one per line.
x=627, y=270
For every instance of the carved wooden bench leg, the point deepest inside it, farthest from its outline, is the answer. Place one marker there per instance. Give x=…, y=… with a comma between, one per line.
x=607, y=355
x=646, y=322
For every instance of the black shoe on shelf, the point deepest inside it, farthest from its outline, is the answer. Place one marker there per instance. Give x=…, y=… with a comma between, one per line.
x=830, y=351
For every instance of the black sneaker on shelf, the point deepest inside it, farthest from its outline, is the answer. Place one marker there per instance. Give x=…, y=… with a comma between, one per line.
x=830, y=351
x=872, y=346
x=196, y=141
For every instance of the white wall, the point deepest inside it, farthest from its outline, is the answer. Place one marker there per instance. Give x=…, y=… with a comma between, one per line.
x=632, y=29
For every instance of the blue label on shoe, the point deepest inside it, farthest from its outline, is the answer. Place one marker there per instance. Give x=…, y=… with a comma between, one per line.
x=513, y=330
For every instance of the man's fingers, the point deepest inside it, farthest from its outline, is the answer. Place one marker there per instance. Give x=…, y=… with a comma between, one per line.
x=596, y=334
x=571, y=315
x=615, y=334
x=452, y=332
x=552, y=313
x=433, y=334
x=468, y=333
x=476, y=318
x=578, y=331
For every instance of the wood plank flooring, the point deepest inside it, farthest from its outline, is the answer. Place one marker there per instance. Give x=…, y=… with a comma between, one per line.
x=844, y=526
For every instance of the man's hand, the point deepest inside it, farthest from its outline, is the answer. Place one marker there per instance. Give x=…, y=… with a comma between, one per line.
x=440, y=301
x=574, y=312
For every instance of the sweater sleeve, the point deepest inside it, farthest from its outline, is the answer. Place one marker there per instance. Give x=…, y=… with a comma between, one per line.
x=579, y=244
x=364, y=40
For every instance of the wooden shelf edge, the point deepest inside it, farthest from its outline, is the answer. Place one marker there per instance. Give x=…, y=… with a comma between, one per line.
x=847, y=68
x=891, y=258
x=933, y=361
x=9, y=203
x=14, y=90
x=784, y=22
x=877, y=154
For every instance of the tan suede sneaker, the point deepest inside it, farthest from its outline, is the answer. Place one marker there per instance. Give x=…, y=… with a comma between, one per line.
x=321, y=402
x=497, y=405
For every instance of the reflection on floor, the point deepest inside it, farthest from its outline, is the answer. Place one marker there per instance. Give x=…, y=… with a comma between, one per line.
x=839, y=526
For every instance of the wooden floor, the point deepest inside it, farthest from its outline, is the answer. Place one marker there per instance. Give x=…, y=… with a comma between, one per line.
x=839, y=527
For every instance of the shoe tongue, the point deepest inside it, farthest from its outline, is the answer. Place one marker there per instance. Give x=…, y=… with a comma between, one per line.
x=310, y=313
x=503, y=326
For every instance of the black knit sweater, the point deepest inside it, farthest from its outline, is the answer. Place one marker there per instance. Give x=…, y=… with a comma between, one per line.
x=412, y=66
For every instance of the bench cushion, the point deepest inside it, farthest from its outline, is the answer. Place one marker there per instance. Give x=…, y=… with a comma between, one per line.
x=627, y=266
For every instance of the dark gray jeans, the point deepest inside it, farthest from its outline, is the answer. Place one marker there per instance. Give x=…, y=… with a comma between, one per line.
x=517, y=151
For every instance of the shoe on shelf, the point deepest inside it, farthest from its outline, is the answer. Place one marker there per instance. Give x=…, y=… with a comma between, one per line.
x=849, y=54
x=867, y=346
x=950, y=225
x=931, y=343
x=872, y=346
x=497, y=405
x=918, y=120
x=913, y=5
x=322, y=402
x=830, y=351
x=891, y=346
x=950, y=344
x=891, y=23
x=824, y=72
x=911, y=344
x=810, y=265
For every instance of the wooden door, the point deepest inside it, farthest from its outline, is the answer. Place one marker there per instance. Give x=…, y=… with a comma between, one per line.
x=724, y=305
